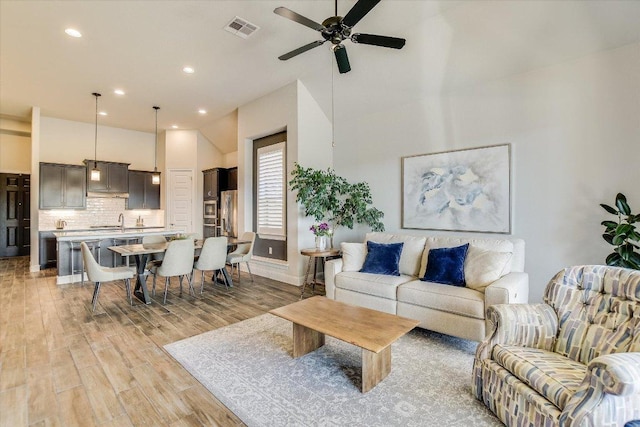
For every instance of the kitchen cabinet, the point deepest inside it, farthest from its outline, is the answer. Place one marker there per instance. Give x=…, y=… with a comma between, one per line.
x=62, y=186
x=214, y=181
x=114, y=177
x=232, y=179
x=143, y=193
x=48, y=250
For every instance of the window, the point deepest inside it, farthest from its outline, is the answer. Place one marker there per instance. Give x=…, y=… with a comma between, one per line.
x=271, y=190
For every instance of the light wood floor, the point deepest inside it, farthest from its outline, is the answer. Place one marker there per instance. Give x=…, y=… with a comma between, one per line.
x=61, y=365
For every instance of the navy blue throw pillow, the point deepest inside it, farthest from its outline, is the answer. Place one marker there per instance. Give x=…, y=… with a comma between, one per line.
x=382, y=258
x=446, y=265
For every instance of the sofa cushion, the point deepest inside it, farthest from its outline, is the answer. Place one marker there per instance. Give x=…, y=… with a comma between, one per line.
x=483, y=267
x=554, y=376
x=452, y=299
x=446, y=265
x=447, y=242
x=382, y=258
x=411, y=251
x=371, y=284
x=353, y=256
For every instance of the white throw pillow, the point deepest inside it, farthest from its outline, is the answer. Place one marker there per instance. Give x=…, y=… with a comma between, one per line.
x=483, y=267
x=353, y=256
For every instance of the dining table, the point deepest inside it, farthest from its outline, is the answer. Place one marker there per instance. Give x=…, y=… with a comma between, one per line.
x=143, y=251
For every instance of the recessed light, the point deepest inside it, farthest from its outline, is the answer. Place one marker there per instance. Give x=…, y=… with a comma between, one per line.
x=73, y=32
x=103, y=113
x=202, y=111
x=189, y=70
x=118, y=92
x=174, y=126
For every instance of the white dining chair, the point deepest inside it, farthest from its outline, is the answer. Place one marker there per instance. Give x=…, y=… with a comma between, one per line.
x=99, y=274
x=242, y=254
x=213, y=257
x=178, y=261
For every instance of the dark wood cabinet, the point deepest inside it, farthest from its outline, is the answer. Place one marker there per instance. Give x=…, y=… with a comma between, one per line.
x=62, y=186
x=143, y=193
x=48, y=249
x=232, y=179
x=213, y=180
x=114, y=177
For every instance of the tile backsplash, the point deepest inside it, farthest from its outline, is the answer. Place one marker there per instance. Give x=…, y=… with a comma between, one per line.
x=100, y=211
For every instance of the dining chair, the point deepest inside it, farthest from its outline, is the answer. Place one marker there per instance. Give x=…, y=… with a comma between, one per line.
x=98, y=274
x=213, y=257
x=177, y=261
x=242, y=253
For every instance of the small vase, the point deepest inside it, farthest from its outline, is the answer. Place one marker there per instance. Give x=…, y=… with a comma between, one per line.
x=321, y=243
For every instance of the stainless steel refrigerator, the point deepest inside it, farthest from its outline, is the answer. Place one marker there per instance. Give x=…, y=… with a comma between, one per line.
x=229, y=213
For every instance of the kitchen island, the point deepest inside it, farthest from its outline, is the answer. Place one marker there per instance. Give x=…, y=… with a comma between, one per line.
x=68, y=243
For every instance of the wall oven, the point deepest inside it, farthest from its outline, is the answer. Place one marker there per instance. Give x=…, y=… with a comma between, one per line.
x=210, y=209
x=210, y=219
x=210, y=228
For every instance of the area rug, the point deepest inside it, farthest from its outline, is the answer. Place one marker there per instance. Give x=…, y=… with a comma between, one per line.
x=248, y=366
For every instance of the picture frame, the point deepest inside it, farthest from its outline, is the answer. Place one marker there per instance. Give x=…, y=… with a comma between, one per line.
x=458, y=190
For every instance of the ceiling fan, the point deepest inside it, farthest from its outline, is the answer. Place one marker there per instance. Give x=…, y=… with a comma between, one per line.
x=336, y=29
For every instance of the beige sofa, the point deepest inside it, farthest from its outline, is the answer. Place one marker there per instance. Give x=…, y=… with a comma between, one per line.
x=494, y=270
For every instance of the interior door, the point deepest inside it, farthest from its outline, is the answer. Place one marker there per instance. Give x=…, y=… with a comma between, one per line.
x=15, y=214
x=180, y=200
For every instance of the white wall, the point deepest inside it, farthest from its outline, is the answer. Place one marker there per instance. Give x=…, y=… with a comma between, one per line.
x=575, y=135
x=65, y=141
x=290, y=108
x=15, y=153
x=15, y=145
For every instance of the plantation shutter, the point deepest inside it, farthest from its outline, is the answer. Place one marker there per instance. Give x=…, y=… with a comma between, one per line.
x=271, y=190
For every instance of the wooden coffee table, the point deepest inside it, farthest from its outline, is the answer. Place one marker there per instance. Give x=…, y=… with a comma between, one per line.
x=373, y=331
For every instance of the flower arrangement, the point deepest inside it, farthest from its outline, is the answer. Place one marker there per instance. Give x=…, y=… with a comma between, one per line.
x=321, y=229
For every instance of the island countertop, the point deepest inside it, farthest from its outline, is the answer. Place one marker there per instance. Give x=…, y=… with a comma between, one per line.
x=115, y=233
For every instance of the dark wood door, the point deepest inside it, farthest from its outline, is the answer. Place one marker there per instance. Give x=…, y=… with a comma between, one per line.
x=118, y=178
x=15, y=215
x=151, y=193
x=136, y=190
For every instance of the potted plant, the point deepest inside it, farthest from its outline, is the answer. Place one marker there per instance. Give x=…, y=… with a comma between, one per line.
x=327, y=196
x=622, y=235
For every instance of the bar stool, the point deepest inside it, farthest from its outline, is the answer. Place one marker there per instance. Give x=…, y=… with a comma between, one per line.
x=94, y=247
x=123, y=241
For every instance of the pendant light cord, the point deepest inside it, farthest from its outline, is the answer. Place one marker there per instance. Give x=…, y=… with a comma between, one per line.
x=155, y=154
x=95, y=144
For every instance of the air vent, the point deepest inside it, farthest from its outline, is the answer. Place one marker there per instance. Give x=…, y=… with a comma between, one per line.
x=241, y=27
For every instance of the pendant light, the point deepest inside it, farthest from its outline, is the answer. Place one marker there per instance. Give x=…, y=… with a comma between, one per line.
x=155, y=178
x=95, y=172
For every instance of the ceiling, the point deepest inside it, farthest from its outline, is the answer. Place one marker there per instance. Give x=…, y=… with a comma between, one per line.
x=142, y=46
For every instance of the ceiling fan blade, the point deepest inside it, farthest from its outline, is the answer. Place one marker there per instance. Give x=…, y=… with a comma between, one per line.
x=384, y=41
x=342, y=59
x=296, y=17
x=358, y=11
x=300, y=50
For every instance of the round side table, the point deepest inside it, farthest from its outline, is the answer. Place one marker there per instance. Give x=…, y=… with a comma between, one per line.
x=316, y=255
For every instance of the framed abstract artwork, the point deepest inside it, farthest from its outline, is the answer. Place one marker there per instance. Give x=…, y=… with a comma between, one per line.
x=461, y=190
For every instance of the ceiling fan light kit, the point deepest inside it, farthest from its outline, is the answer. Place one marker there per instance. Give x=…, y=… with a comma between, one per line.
x=337, y=29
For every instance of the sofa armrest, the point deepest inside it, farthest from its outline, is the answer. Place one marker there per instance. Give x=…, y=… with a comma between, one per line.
x=331, y=268
x=620, y=372
x=616, y=375
x=512, y=288
x=526, y=325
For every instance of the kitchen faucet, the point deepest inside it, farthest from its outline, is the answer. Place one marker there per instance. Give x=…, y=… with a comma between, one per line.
x=121, y=220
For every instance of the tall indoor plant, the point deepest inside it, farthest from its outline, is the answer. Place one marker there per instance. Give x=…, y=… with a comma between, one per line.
x=622, y=235
x=325, y=195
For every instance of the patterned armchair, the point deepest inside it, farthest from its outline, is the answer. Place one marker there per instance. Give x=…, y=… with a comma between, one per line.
x=572, y=361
